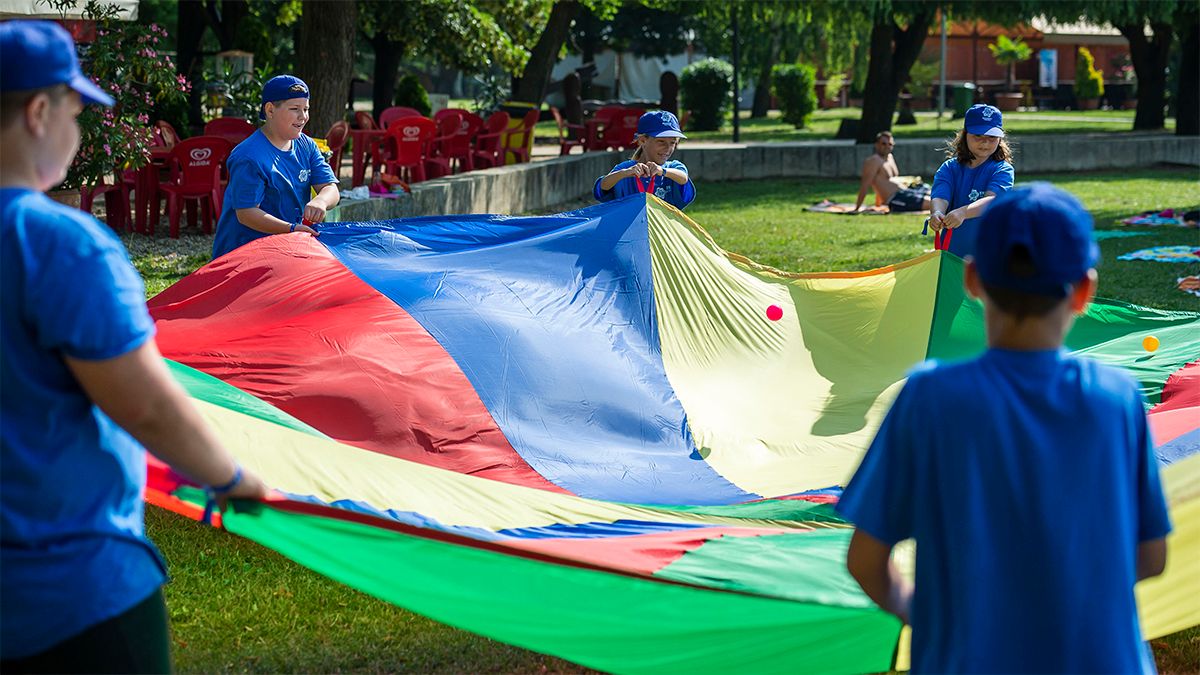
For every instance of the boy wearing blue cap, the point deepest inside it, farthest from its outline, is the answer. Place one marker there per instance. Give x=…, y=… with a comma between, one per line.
x=272, y=173
x=651, y=169
x=82, y=389
x=978, y=169
x=1035, y=503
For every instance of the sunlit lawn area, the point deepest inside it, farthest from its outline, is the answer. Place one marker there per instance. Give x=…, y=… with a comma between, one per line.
x=236, y=606
x=825, y=125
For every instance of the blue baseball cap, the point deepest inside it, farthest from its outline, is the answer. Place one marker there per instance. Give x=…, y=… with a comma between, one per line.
x=659, y=124
x=281, y=88
x=984, y=120
x=39, y=54
x=1052, y=225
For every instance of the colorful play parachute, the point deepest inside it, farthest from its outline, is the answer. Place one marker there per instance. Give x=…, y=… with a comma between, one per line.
x=583, y=435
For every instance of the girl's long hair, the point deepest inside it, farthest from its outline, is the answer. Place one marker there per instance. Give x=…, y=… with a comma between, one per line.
x=957, y=148
x=637, y=153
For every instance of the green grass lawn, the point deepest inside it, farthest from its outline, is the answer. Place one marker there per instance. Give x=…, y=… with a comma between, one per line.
x=825, y=125
x=236, y=606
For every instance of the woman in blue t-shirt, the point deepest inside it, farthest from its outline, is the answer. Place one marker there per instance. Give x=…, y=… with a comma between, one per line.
x=273, y=172
x=978, y=170
x=651, y=169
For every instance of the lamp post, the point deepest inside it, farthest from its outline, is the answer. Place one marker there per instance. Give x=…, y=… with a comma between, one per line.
x=736, y=98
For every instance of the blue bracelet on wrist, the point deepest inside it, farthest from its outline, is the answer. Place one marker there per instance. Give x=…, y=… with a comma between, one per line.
x=233, y=482
x=293, y=226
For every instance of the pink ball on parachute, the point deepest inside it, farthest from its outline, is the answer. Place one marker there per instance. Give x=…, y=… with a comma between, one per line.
x=774, y=312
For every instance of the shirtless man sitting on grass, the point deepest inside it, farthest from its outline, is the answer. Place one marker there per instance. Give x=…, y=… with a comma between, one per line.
x=880, y=172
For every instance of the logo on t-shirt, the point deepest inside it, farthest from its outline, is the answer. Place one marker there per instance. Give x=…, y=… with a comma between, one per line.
x=661, y=192
x=303, y=175
x=975, y=194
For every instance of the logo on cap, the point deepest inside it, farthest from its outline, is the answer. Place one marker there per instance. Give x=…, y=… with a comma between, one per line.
x=298, y=87
x=987, y=114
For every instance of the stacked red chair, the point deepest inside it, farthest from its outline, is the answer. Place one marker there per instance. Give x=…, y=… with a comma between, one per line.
x=488, y=151
x=195, y=166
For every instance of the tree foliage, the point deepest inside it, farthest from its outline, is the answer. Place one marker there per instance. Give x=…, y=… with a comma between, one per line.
x=1008, y=53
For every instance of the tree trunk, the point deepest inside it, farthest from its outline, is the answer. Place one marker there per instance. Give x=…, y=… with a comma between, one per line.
x=1187, y=100
x=387, y=64
x=1149, y=56
x=224, y=20
x=192, y=22
x=324, y=53
x=762, y=86
x=531, y=88
x=892, y=53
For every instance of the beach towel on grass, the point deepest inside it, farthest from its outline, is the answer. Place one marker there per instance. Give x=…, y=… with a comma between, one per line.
x=1101, y=235
x=1178, y=217
x=1174, y=254
x=847, y=208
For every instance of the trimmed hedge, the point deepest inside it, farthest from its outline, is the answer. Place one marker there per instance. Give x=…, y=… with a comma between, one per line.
x=410, y=94
x=1089, y=82
x=795, y=88
x=705, y=89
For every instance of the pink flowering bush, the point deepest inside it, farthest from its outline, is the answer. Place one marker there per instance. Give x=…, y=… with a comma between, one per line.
x=125, y=61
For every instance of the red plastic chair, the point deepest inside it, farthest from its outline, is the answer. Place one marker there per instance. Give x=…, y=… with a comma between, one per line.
x=438, y=162
x=394, y=113
x=406, y=147
x=116, y=201
x=437, y=116
x=231, y=129
x=336, y=139
x=569, y=135
x=518, y=139
x=195, y=166
x=622, y=129
x=487, y=150
x=165, y=134
x=458, y=146
x=598, y=123
x=363, y=120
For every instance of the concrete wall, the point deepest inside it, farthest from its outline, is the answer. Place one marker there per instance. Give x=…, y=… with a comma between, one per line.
x=922, y=156
x=538, y=185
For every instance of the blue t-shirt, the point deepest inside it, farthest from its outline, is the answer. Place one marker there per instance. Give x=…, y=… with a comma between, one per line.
x=276, y=181
x=662, y=187
x=73, y=550
x=960, y=185
x=1028, y=480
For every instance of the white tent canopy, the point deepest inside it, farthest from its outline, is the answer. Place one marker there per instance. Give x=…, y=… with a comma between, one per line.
x=40, y=9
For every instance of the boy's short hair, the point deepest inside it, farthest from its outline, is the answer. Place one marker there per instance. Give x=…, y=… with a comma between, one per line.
x=1034, y=244
x=883, y=134
x=12, y=103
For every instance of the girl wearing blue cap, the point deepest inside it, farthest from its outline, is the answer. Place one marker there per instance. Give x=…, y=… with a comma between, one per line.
x=978, y=169
x=272, y=173
x=651, y=169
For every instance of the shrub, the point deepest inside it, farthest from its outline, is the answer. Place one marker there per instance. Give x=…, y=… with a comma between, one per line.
x=126, y=60
x=1009, y=53
x=794, y=86
x=921, y=77
x=1089, y=82
x=410, y=94
x=705, y=89
x=833, y=86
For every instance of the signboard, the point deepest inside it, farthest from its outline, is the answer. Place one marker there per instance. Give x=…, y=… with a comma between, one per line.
x=1048, y=68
